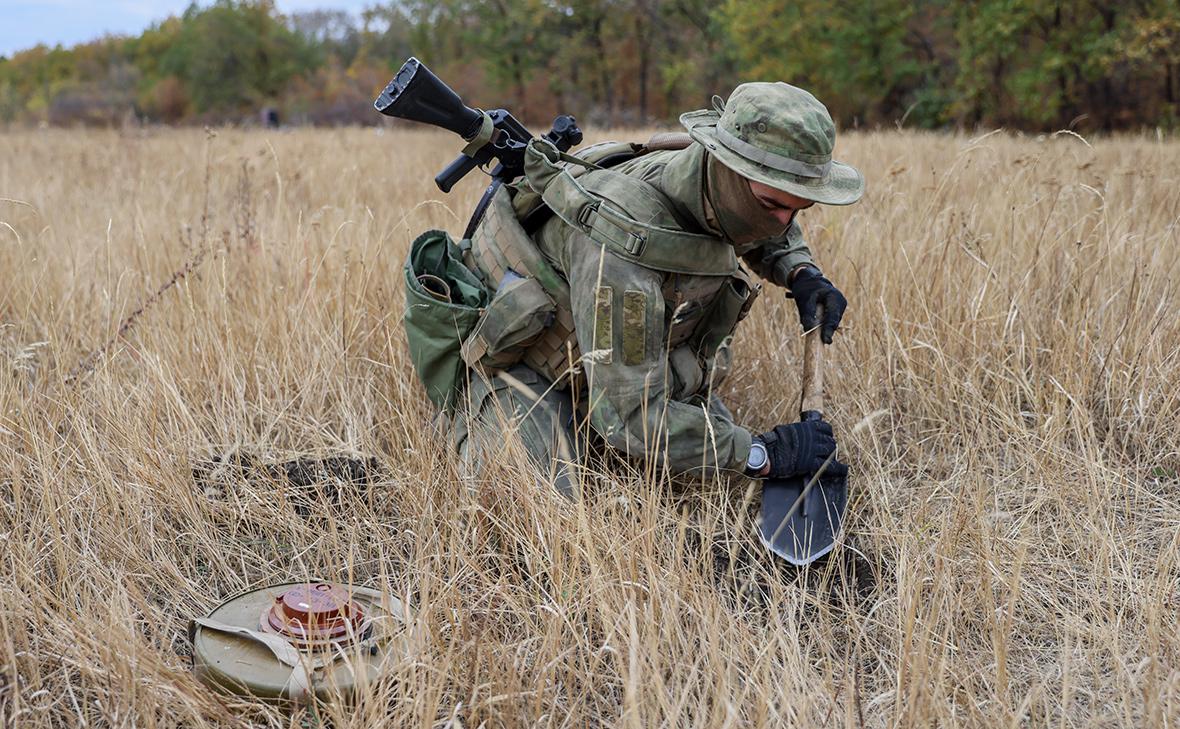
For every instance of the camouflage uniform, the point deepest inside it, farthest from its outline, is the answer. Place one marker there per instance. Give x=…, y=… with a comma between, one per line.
x=654, y=326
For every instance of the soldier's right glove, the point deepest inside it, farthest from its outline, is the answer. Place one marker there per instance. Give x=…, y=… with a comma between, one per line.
x=810, y=288
x=801, y=448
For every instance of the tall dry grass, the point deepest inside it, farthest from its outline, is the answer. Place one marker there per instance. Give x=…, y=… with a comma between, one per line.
x=1011, y=355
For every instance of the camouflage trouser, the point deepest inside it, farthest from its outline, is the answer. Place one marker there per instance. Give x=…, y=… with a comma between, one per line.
x=518, y=405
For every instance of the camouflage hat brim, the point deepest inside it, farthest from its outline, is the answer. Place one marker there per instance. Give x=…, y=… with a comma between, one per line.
x=835, y=184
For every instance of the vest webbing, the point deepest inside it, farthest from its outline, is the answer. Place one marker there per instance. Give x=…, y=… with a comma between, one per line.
x=601, y=204
x=499, y=244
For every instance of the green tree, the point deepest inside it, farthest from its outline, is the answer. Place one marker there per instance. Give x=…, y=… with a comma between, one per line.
x=236, y=54
x=515, y=40
x=1147, y=53
x=857, y=57
x=1036, y=64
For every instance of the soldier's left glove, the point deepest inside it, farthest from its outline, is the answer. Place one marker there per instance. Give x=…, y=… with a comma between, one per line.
x=810, y=289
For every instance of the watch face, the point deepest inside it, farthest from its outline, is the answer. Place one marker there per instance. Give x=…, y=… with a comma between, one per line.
x=757, y=457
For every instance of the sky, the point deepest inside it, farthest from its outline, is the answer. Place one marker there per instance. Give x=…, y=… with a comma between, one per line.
x=24, y=23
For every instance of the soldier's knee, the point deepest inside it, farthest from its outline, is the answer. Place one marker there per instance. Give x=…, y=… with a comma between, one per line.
x=518, y=405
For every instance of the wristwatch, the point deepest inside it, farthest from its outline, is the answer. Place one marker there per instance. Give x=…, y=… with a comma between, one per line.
x=757, y=459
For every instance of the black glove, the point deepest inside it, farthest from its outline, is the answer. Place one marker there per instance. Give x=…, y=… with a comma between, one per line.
x=801, y=448
x=809, y=288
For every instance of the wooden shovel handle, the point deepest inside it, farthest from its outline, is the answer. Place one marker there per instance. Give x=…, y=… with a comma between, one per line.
x=813, y=371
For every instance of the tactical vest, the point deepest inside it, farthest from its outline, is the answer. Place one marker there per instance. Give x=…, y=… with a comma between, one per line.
x=705, y=289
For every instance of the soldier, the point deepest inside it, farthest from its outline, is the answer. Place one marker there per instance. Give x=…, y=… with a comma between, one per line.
x=640, y=261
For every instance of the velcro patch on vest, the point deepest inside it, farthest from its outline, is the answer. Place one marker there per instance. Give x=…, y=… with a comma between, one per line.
x=634, y=327
x=603, y=333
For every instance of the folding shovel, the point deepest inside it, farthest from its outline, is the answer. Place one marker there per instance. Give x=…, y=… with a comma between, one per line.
x=801, y=515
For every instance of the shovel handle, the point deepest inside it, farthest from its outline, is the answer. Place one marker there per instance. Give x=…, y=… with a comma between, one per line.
x=812, y=400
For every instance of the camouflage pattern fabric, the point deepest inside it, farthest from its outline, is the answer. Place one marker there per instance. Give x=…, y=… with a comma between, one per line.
x=779, y=135
x=518, y=406
x=653, y=322
x=647, y=398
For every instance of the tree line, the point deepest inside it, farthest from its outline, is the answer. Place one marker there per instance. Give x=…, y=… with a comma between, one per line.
x=1028, y=64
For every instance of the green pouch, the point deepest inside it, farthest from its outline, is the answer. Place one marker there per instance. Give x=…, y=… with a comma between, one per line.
x=444, y=300
x=515, y=318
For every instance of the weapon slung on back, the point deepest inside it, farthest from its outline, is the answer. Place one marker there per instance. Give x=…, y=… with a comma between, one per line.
x=415, y=93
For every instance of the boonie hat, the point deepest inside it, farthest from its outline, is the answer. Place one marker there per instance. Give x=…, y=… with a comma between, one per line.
x=781, y=136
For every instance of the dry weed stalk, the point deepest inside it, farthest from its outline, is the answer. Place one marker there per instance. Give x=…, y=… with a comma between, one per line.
x=87, y=364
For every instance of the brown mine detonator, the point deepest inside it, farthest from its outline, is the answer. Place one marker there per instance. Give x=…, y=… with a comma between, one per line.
x=288, y=641
x=312, y=616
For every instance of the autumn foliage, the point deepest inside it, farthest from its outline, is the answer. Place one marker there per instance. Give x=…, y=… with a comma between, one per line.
x=1029, y=64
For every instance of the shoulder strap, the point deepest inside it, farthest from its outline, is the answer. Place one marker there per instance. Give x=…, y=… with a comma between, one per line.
x=582, y=204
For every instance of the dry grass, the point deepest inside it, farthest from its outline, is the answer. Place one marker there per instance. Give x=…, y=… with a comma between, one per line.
x=1014, y=322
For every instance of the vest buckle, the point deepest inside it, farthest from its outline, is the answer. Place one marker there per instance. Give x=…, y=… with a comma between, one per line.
x=634, y=244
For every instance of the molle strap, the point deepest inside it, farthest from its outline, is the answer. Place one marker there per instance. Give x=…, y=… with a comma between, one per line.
x=663, y=249
x=490, y=255
x=500, y=244
x=598, y=204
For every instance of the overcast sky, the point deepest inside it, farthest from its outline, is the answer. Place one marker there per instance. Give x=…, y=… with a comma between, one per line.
x=25, y=23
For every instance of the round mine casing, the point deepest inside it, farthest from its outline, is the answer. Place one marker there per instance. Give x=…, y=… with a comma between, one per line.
x=342, y=633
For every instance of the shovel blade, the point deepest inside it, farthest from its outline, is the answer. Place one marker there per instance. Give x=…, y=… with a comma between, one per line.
x=802, y=534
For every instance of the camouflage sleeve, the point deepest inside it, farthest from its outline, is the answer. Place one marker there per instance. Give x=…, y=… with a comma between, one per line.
x=775, y=260
x=619, y=316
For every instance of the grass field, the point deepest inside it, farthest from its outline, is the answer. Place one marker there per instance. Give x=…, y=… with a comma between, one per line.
x=1006, y=390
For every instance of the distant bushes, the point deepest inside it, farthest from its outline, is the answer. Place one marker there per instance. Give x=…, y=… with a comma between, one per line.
x=1032, y=64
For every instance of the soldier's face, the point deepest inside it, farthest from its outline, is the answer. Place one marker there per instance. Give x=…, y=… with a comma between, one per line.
x=782, y=205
